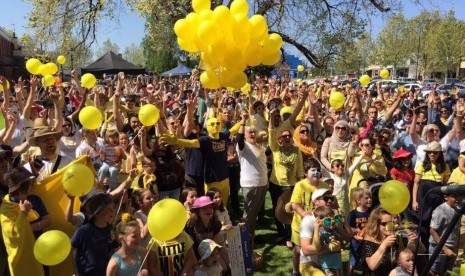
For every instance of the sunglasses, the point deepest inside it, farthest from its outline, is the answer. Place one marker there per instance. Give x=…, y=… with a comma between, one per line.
x=304, y=131
x=341, y=128
x=433, y=130
x=432, y=152
x=329, y=221
x=66, y=125
x=339, y=165
x=287, y=136
x=215, y=124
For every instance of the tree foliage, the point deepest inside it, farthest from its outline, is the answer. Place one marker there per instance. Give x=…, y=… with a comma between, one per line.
x=107, y=46
x=135, y=55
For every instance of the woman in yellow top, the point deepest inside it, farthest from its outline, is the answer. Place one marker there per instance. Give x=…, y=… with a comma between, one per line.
x=371, y=165
x=430, y=173
x=287, y=167
x=339, y=146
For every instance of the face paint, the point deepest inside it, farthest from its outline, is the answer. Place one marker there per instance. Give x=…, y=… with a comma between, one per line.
x=213, y=128
x=313, y=173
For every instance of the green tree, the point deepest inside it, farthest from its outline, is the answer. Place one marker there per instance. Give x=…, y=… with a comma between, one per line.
x=135, y=54
x=107, y=46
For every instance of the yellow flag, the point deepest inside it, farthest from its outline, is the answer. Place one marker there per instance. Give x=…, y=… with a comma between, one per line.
x=51, y=191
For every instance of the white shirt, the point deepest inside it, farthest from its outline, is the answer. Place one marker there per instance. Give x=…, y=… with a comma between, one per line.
x=306, y=230
x=253, y=165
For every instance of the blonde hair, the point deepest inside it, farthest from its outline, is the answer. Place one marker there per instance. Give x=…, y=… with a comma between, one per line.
x=374, y=220
x=357, y=194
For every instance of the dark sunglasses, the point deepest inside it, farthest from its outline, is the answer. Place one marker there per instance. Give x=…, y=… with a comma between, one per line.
x=286, y=136
x=66, y=125
x=304, y=131
x=339, y=165
x=341, y=128
x=213, y=124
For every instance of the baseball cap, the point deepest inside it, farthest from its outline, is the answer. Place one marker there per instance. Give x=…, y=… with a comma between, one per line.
x=206, y=248
x=319, y=193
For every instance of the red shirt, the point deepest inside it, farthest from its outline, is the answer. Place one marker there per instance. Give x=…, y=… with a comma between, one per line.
x=407, y=176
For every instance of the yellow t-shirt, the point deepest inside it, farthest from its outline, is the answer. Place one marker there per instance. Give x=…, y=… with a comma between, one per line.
x=171, y=254
x=432, y=174
x=302, y=194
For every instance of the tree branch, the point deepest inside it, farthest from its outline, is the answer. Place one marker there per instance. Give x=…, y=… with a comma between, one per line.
x=314, y=60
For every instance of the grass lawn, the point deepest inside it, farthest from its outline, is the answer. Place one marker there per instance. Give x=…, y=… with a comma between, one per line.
x=277, y=257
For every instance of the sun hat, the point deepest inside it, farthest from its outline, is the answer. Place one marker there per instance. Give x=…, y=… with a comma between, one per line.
x=41, y=129
x=201, y=202
x=96, y=203
x=280, y=212
x=286, y=110
x=206, y=248
x=319, y=193
x=17, y=178
x=401, y=153
x=433, y=147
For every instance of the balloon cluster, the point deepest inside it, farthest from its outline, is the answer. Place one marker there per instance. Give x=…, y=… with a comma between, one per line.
x=228, y=41
x=47, y=70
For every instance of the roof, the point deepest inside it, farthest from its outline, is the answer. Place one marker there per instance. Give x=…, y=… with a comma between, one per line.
x=111, y=63
x=180, y=70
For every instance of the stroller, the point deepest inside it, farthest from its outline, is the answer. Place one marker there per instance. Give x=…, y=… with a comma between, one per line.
x=374, y=185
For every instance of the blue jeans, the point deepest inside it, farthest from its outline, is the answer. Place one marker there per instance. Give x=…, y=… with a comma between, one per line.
x=110, y=172
x=442, y=263
x=174, y=194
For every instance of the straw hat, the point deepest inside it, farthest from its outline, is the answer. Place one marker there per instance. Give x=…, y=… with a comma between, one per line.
x=281, y=213
x=41, y=129
x=433, y=147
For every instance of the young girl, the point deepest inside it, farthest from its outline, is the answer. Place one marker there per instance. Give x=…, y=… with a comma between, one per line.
x=209, y=259
x=111, y=155
x=188, y=197
x=143, y=201
x=220, y=211
x=127, y=261
x=204, y=224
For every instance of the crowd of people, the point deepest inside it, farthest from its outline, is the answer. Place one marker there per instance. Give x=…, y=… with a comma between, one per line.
x=210, y=146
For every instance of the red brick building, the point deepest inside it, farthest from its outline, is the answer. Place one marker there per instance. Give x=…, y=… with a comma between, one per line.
x=11, y=61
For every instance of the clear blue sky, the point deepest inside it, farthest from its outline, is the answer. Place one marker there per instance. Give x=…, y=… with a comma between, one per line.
x=130, y=29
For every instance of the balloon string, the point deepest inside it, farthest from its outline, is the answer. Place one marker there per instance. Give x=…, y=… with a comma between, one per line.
x=146, y=255
x=119, y=207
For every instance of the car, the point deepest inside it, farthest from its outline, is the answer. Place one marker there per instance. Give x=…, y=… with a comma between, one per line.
x=408, y=86
x=452, y=80
x=384, y=83
x=428, y=83
x=448, y=87
x=407, y=80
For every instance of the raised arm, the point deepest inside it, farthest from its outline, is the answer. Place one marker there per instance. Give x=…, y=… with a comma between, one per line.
x=34, y=82
x=303, y=94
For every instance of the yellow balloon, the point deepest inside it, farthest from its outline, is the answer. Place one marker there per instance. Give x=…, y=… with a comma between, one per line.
x=149, y=115
x=48, y=80
x=33, y=66
x=246, y=89
x=208, y=32
x=205, y=15
x=222, y=17
x=273, y=43
x=300, y=68
x=200, y=5
x=336, y=100
x=78, y=180
x=52, y=247
x=394, y=196
x=88, y=80
x=90, y=117
x=253, y=54
x=209, y=79
x=43, y=70
x=233, y=59
x=258, y=25
x=52, y=68
x=188, y=46
x=182, y=30
x=365, y=80
x=240, y=7
x=61, y=59
x=166, y=219
x=271, y=59
x=192, y=24
x=384, y=74
x=241, y=30
x=238, y=79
